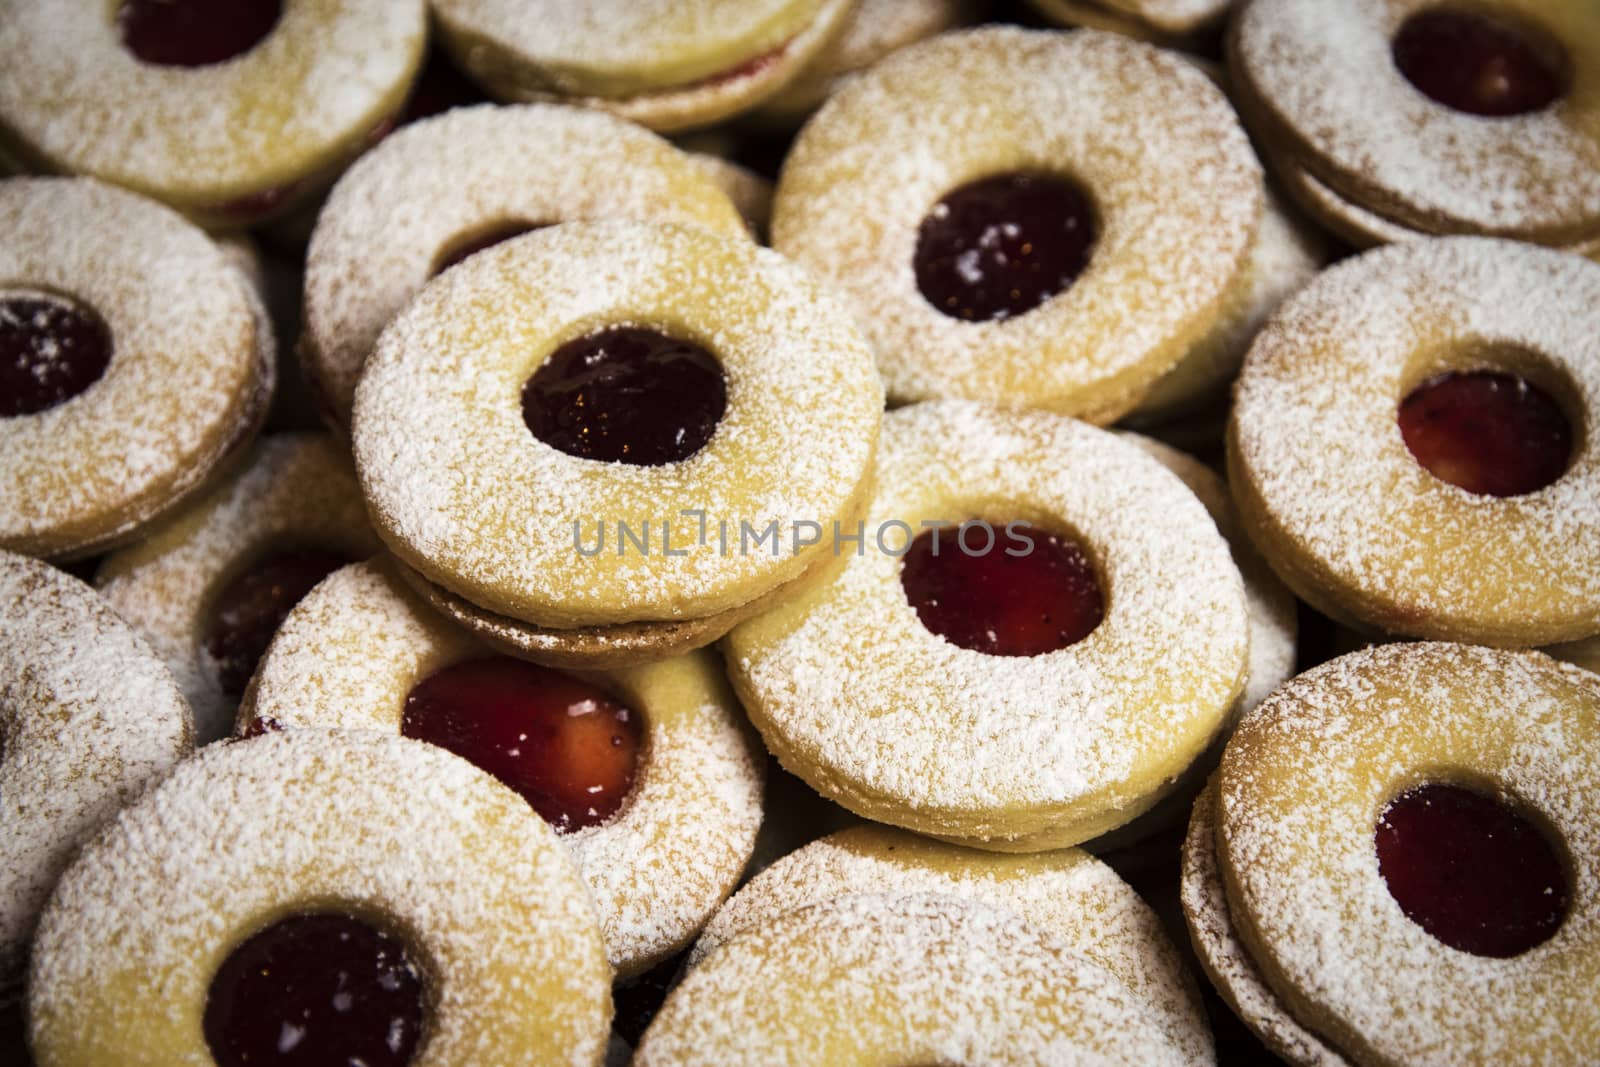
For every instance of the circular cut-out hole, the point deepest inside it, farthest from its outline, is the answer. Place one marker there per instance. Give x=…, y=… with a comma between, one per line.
x=1471, y=871
x=1488, y=432
x=567, y=747
x=626, y=394
x=51, y=349
x=478, y=240
x=1472, y=63
x=1027, y=592
x=195, y=33
x=248, y=611
x=1000, y=247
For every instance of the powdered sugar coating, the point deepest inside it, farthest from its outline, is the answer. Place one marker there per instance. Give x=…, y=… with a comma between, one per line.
x=871, y=708
x=1067, y=893
x=1335, y=500
x=251, y=832
x=294, y=491
x=1156, y=147
x=299, y=101
x=1302, y=786
x=191, y=369
x=352, y=650
x=1167, y=17
x=1323, y=77
x=89, y=718
x=921, y=979
x=396, y=212
x=463, y=493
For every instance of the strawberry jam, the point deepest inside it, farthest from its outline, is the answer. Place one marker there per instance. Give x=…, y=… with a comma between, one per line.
x=1489, y=433
x=320, y=990
x=626, y=395
x=481, y=239
x=1471, y=63
x=1042, y=598
x=567, y=747
x=195, y=33
x=999, y=247
x=1470, y=871
x=51, y=349
x=249, y=610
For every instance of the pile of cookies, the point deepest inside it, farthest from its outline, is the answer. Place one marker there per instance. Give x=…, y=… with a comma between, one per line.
x=1049, y=533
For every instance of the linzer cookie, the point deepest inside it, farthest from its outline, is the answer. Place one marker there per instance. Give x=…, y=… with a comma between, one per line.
x=1176, y=23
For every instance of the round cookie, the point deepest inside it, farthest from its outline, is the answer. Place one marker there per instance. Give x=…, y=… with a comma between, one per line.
x=138, y=358
x=1009, y=752
x=1175, y=23
x=489, y=908
x=665, y=64
x=396, y=218
x=1322, y=85
x=88, y=718
x=1066, y=893
x=516, y=532
x=226, y=142
x=1328, y=489
x=880, y=980
x=349, y=655
x=209, y=586
x=750, y=192
x=866, y=178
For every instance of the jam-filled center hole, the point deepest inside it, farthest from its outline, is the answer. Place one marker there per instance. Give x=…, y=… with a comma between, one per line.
x=477, y=240
x=569, y=748
x=627, y=394
x=249, y=609
x=1471, y=871
x=316, y=990
x=1483, y=66
x=1006, y=589
x=1488, y=432
x=1003, y=245
x=195, y=33
x=51, y=349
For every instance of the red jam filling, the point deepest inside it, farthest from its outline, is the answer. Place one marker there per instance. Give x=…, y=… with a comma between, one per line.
x=322, y=990
x=1471, y=63
x=250, y=609
x=195, y=33
x=626, y=395
x=1470, y=871
x=439, y=88
x=51, y=349
x=567, y=747
x=1002, y=246
x=1489, y=433
x=1043, y=598
x=481, y=239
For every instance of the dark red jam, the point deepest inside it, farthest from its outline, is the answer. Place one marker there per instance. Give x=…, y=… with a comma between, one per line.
x=1489, y=433
x=249, y=610
x=322, y=990
x=626, y=395
x=1475, y=64
x=1045, y=597
x=1002, y=246
x=14, y=1035
x=51, y=349
x=195, y=33
x=439, y=88
x=566, y=746
x=1470, y=871
x=478, y=240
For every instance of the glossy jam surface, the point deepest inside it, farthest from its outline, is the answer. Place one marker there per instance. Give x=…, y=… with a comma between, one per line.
x=1471, y=871
x=999, y=247
x=51, y=349
x=1471, y=63
x=195, y=33
x=250, y=609
x=320, y=990
x=1004, y=605
x=566, y=746
x=626, y=395
x=1489, y=433
x=481, y=239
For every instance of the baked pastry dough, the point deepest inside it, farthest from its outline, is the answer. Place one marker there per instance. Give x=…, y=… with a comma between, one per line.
x=1176, y=23
x=350, y=653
